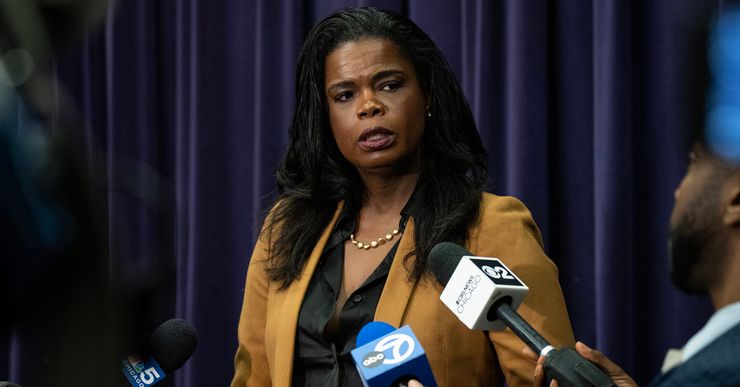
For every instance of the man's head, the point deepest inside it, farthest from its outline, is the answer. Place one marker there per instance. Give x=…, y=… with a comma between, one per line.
x=705, y=217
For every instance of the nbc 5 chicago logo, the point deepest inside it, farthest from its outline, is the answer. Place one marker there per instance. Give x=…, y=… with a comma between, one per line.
x=134, y=368
x=401, y=346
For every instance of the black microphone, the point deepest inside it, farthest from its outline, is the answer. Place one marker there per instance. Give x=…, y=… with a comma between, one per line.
x=170, y=346
x=483, y=293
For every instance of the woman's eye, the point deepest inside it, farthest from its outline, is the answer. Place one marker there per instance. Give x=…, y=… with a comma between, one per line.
x=390, y=86
x=343, y=97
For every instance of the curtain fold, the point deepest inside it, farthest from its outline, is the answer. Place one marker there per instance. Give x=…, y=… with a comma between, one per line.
x=613, y=111
x=584, y=108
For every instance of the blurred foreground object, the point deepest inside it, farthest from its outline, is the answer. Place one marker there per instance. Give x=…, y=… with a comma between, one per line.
x=723, y=111
x=63, y=321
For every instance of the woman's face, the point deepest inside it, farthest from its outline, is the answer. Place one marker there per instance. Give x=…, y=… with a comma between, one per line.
x=376, y=106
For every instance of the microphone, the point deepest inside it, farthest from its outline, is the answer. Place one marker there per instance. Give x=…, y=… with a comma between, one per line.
x=386, y=356
x=372, y=331
x=170, y=346
x=484, y=294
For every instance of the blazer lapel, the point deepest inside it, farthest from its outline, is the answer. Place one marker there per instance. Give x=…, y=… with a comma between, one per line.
x=398, y=290
x=293, y=298
x=712, y=364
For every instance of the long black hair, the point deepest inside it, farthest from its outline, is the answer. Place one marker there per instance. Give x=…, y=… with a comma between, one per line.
x=314, y=176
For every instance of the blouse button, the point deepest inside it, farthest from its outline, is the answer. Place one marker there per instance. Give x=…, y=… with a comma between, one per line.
x=357, y=298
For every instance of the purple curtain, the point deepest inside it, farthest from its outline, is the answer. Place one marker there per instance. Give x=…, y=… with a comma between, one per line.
x=583, y=107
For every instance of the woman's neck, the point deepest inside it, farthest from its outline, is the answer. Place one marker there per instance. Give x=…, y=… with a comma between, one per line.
x=388, y=194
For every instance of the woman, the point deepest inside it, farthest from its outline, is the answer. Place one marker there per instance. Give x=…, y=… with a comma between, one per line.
x=384, y=161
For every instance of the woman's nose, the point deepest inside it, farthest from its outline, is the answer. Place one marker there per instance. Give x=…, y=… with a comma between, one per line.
x=371, y=108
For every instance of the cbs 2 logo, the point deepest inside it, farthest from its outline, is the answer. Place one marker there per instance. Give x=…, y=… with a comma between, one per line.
x=497, y=272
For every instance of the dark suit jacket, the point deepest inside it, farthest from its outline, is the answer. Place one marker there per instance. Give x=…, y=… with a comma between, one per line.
x=458, y=356
x=718, y=364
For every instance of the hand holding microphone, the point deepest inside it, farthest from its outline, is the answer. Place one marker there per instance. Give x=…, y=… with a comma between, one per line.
x=483, y=293
x=611, y=369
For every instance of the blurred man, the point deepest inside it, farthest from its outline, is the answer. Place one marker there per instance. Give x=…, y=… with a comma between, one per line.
x=704, y=242
x=705, y=259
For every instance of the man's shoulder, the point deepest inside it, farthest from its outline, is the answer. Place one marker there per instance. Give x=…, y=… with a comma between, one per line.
x=718, y=364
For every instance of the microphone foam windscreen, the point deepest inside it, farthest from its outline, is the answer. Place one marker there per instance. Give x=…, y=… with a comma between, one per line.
x=172, y=343
x=444, y=258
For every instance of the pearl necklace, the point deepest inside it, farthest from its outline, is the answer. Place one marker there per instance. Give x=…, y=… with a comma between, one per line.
x=388, y=237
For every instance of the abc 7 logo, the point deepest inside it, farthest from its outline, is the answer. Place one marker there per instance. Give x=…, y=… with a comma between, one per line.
x=401, y=346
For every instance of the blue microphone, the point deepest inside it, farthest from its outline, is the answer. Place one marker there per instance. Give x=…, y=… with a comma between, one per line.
x=372, y=331
x=386, y=356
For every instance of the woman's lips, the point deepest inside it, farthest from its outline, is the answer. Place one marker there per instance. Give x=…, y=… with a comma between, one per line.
x=376, y=138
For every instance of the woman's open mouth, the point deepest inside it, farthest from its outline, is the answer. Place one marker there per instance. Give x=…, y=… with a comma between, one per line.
x=376, y=138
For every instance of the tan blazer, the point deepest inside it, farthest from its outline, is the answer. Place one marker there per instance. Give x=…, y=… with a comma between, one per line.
x=458, y=356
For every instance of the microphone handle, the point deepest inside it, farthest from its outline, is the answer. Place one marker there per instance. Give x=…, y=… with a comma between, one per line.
x=572, y=370
x=564, y=364
x=521, y=328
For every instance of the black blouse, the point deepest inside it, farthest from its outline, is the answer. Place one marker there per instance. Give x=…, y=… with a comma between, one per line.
x=323, y=358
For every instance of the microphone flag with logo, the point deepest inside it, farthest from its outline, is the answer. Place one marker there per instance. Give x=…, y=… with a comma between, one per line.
x=394, y=357
x=475, y=285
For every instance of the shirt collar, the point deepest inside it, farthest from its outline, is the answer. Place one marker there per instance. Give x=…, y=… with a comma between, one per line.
x=413, y=205
x=721, y=321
